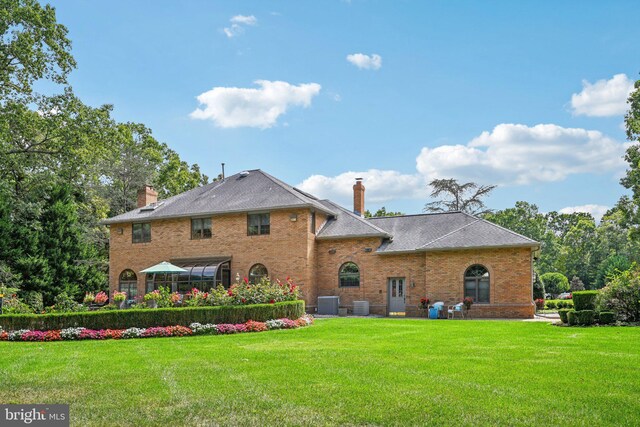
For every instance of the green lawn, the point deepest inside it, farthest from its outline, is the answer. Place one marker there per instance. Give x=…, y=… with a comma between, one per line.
x=341, y=372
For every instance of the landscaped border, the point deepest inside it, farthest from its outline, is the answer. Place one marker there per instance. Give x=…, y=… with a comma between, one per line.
x=148, y=318
x=72, y=334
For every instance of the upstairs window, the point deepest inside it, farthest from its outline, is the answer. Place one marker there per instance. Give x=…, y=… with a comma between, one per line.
x=200, y=228
x=258, y=224
x=141, y=232
x=349, y=275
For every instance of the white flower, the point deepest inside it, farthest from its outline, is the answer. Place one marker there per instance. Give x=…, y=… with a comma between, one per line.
x=70, y=333
x=133, y=333
x=16, y=335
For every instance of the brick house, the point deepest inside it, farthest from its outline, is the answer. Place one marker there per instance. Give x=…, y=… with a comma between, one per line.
x=253, y=224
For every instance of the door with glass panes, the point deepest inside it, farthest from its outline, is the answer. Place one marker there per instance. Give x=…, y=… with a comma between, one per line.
x=397, y=295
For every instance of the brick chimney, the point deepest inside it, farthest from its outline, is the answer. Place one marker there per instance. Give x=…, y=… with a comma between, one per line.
x=146, y=196
x=358, y=197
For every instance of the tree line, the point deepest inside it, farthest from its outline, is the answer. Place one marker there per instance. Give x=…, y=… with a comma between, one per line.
x=65, y=165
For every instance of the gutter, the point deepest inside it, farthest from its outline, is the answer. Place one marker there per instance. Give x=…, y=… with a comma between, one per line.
x=114, y=220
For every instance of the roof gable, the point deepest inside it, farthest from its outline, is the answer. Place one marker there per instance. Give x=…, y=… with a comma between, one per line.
x=247, y=191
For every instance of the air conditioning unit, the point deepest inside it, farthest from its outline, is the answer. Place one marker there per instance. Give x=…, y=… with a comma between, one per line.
x=361, y=308
x=328, y=305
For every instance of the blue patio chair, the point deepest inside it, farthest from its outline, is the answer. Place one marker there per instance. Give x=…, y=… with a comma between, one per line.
x=453, y=309
x=436, y=310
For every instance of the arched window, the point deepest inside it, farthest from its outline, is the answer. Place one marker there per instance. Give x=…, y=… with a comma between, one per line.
x=349, y=275
x=128, y=283
x=476, y=284
x=257, y=273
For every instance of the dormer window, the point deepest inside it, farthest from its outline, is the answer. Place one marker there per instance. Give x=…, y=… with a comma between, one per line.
x=258, y=224
x=200, y=228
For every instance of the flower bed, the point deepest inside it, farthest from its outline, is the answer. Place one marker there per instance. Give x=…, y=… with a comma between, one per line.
x=147, y=318
x=72, y=334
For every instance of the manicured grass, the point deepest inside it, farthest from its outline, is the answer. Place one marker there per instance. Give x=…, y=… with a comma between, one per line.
x=341, y=372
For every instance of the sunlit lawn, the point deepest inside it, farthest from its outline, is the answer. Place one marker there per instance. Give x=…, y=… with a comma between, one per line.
x=341, y=372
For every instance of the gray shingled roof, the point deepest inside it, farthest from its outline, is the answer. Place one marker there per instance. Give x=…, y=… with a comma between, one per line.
x=242, y=192
x=256, y=190
x=454, y=230
x=347, y=224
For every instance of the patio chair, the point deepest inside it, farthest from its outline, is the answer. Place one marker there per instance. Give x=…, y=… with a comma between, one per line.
x=439, y=309
x=453, y=309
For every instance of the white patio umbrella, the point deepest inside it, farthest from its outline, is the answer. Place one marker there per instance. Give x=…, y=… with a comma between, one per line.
x=164, y=267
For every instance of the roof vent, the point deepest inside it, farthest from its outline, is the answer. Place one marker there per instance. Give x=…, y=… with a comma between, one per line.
x=244, y=173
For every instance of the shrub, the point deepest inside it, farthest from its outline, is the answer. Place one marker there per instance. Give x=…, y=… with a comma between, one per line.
x=566, y=303
x=15, y=306
x=551, y=304
x=555, y=283
x=572, y=319
x=584, y=300
x=622, y=296
x=576, y=284
x=63, y=303
x=144, y=318
x=540, y=304
x=607, y=317
x=586, y=317
x=611, y=268
x=538, y=288
x=563, y=314
x=34, y=300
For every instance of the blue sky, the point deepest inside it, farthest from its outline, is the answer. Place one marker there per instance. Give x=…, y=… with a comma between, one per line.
x=529, y=96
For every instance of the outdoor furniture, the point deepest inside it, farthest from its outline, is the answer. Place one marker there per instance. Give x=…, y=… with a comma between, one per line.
x=436, y=310
x=453, y=309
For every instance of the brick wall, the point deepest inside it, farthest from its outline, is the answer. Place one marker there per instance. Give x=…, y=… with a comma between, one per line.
x=510, y=280
x=292, y=250
x=375, y=271
x=285, y=251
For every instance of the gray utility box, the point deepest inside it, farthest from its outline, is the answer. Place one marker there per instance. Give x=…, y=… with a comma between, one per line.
x=328, y=305
x=361, y=308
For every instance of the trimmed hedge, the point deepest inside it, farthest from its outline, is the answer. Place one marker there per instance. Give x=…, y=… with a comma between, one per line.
x=551, y=304
x=563, y=314
x=148, y=318
x=584, y=300
x=572, y=318
x=607, y=317
x=586, y=317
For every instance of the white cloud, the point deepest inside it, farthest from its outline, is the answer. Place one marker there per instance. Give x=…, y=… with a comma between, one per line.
x=519, y=154
x=597, y=211
x=511, y=154
x=237, y=25
x=603, y=98
x=232, y=107
x=381, y=186
x=362, y=61
x=243, y=19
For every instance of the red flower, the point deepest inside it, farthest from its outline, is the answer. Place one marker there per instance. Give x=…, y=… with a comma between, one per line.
x=244, y=300
x=272, y=301
x=246, y=280
x=230, y=292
